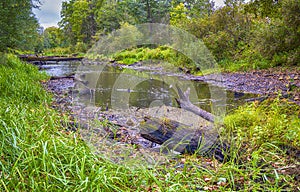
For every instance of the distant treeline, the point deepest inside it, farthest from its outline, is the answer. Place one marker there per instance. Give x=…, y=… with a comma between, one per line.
x=261, y=32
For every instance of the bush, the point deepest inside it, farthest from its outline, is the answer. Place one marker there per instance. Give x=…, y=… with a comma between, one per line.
x=81, y=47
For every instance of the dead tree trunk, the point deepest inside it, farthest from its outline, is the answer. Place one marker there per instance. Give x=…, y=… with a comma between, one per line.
x=179, y=137
x=31, y=58
x=185, y=103
x=182, y=138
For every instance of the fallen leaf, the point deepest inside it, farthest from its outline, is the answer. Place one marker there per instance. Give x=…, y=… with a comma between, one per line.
x=207, y=179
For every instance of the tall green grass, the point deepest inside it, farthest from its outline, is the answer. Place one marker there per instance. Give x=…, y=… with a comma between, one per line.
x=160, y=53
x=38, y=154
x=248, y=62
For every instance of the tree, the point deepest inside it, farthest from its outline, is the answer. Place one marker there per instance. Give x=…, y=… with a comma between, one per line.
x=278, y=38
x=53, y=37
x=19, y=27
x=264, y=8
x=200, y=8
x=78, y=20
x=111, y=16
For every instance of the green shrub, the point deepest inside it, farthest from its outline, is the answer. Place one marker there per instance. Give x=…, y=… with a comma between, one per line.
x=161, y=53
x=81, y=47
x=58, y=51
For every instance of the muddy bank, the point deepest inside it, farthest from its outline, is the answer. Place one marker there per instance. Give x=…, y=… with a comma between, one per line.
x=267, y=82
x=62, y=90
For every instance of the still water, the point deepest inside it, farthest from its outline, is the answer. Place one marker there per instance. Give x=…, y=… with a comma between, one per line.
x=60, y=69
x=111, y=87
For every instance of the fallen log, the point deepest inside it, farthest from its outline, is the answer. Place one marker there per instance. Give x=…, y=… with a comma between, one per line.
x=173, y=135
x=71, y=76
x=202, y=139
x=31, y=58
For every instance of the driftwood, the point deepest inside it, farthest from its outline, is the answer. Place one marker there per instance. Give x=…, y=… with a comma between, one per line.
x=183, y=138
x=30, y=58
x=185, y=103
x=71, y=76
x=179, y=137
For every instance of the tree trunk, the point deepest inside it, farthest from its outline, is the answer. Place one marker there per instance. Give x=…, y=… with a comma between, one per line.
x=186, y=104
x=182, y=138
x=179, y=137
x=48, y=58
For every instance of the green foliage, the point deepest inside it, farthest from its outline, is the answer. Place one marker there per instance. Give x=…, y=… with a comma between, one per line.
x=84, y=20
x=273, y=122
x=241, y=36
x=80, y=47
x=262, y=134
x=264, y=8
x=252, y=35
x=160, y=53
x=278, y=38
x=111, y=16
x=53, y=38
x=246, y=59
x=78, y=20
x=58, y=51
x=14, y=77
x=178, y=15
x=18, y=25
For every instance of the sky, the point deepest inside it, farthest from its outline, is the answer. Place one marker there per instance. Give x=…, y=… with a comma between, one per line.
x=49, y=13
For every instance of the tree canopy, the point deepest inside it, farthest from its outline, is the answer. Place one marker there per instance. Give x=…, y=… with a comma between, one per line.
x=19, y=27
x=254, y=31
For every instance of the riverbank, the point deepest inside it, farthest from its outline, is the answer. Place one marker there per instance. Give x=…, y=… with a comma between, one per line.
x=267, y=82
x=271, y=83
x=38, y=151
x=129, y=121
x=267, y=133
x=268, y=127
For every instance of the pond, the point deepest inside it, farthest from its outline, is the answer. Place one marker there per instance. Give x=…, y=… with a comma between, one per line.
x=111, y=87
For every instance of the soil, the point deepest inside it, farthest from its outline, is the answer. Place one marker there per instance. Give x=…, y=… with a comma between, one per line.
x=268, y=82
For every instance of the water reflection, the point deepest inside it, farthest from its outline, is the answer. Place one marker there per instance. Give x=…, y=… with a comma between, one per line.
x=60, y=69
x=114, y=85
x=109, y=87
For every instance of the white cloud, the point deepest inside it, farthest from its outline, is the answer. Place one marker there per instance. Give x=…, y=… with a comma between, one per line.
x=49, y=13
x=219, y=3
